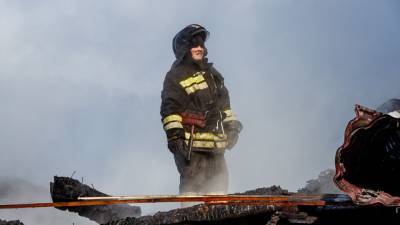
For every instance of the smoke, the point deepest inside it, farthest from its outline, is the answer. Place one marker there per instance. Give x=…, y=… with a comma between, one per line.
x=14, y=190
x=80, y=87
x=389, y=106
x=322, y=185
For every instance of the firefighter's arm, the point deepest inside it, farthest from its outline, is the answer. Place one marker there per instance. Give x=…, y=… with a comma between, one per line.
x=173, y=102
x=232, y=127
x=231, y=123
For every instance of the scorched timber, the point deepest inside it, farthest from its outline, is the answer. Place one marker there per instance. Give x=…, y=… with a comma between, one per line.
x=343, y=213
x=212, y=214
x=65, y=189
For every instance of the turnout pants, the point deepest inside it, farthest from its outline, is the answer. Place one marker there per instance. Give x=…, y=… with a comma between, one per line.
x=205, y=173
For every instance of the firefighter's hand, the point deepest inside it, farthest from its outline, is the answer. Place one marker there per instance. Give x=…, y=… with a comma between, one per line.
x=178, y=146
x=233, y=129
x=233, y=137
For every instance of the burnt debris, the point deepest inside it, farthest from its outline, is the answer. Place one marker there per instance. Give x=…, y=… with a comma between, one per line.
x=273, y=190
x=339, y=210
x=11, y=222
x=367, y=168
x=368, y=162
x=323, y=184
x=213, y=214
x=203, y=214
x=65, y=189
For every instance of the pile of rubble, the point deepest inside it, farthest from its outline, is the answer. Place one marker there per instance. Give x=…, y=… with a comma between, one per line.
x=341, y=210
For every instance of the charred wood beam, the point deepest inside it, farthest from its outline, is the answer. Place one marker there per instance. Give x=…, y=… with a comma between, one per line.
x=65, y=189
x=203, y=214
x=232, y=214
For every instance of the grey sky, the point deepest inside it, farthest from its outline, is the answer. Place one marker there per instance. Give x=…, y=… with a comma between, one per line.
x=80, y=86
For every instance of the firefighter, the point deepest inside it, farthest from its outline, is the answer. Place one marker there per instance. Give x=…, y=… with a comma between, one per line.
x=197, y=117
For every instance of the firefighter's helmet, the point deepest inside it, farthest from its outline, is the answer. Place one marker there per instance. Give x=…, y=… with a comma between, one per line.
x=183, y=39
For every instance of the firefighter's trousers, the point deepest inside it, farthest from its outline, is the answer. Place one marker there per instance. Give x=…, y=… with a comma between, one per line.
x=205, y=173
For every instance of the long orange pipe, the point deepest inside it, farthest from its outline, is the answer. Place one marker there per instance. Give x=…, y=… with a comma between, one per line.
x=208, y=199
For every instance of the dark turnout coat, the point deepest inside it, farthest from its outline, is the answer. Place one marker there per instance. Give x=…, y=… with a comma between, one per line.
x=196, y=88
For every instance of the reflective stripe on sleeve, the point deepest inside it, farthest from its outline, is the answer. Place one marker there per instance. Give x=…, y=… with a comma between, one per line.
x=230, y=116
x=228, y=112
x=172, y=125
x=222, y=144
x=172, y=118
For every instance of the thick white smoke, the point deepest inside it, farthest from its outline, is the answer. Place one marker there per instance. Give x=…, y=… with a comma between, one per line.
x=14, y=190
x=80, y=87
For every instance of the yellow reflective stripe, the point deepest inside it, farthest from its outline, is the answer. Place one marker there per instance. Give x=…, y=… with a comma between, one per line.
x=171, y=118
x=173, y=125
x=207, y=140
x=195, y=78
x=230, y=116
x=221, y=144
x=228, y=112
x=195, y=87
x=208, y=144
x=203, y=144
x=207, y=136
x=210, y=136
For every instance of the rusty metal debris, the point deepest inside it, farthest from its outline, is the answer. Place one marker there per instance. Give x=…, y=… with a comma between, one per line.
x=368, y=162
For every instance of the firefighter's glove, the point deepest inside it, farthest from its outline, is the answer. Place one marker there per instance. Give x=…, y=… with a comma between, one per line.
x=233, y=129
x=233, y=137
x=178, y=146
